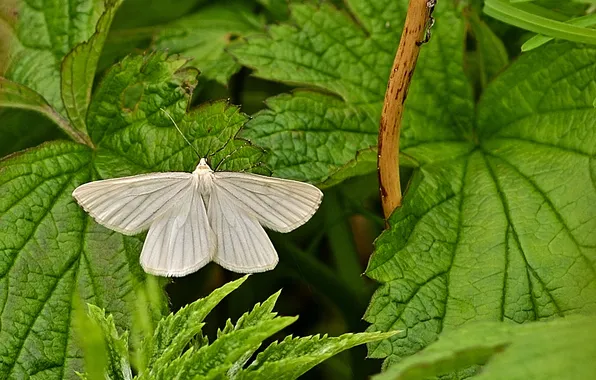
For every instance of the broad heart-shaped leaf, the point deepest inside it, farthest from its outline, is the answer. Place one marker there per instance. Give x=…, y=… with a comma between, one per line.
x=204, y=35
x=316, y=134
x=128, y=123
x=40, y=36
x=52, y=257
x=559, y=349
x=499, y=227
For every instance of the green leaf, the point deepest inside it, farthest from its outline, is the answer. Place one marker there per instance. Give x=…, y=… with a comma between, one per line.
x=215, y=360
x=110, y=344
x=258, y=314
x=174, y=333
x=40, y=39
x=344, y=59
x=52, y=255
x=133, y=134
x=204, y=35
x=294, y=356
x=508, y=351
x=79, y=66
x=173, y=355
x=498, y=225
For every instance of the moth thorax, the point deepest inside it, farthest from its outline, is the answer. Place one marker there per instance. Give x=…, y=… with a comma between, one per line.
x=204, y=181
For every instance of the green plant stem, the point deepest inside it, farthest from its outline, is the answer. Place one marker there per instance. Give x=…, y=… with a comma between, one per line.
x=505, y=12
x=536, y=41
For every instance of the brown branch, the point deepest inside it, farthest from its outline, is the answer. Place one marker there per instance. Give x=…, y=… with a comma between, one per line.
x=418, y=20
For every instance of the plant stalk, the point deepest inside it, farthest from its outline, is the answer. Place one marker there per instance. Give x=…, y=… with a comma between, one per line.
x=415, y=33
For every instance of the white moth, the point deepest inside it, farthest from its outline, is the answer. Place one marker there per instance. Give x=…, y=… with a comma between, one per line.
x=194, y=218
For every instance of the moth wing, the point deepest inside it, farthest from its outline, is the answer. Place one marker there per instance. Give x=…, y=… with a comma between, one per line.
x=242, y=244
x=180, y=241
x=130, y=204
x=279, y=204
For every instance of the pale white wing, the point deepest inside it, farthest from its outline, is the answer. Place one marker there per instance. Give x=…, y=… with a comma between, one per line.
x=129, y=204
x=180, y=241
x=279, y=204
x=242, y=244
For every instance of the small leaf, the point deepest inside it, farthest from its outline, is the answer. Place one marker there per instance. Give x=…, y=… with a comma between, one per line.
x=115, y=346
x=205, y=34
x=174, y=333
x=561, y=348
x=79, y=66
x=214, y=361
x=294, y=356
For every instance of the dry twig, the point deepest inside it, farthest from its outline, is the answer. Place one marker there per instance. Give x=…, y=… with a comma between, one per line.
x=416, y=32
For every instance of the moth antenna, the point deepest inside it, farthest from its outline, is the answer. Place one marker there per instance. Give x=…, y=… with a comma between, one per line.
x=181, y=134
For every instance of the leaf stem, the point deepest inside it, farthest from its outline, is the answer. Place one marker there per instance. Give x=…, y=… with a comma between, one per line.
x=418, y=20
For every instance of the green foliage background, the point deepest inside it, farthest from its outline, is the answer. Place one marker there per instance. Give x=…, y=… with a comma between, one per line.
x=492, y=251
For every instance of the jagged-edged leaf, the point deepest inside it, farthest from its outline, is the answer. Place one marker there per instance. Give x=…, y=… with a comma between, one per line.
x=104, y=347
x=49, y=249
x=557, y=349
x=259, y=313
x=79, y=66
x=345, y=60
x=214, y=361
x=294, y=356
x=174, y=332
x=128, y=124
x=498, y=225
x=204, y=35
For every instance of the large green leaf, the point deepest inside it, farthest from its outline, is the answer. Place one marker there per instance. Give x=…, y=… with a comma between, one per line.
x=560, y=349
x=205, y=34
x=51, y=247
x=498, y=225
x=316, y=134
